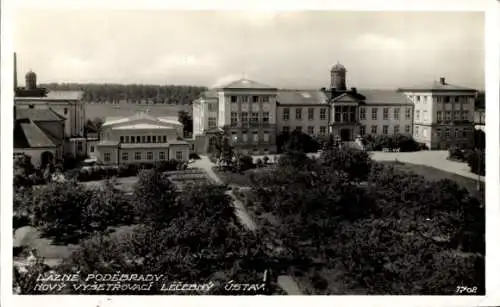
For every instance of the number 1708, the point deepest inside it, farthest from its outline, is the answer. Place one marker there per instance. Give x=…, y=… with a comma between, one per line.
x=468, y=290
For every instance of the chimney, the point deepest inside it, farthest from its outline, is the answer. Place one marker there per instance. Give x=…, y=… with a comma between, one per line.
x=15, y=73
x=442, y=81
x=354, y=90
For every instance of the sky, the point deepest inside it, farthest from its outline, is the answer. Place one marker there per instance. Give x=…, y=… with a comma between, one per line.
x=295, y=49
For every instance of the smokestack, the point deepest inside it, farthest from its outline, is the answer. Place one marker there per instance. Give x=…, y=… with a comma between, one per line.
x=442, y=80
x=15, y=73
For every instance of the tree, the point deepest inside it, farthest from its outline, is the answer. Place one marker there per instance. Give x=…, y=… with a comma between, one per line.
x=356, y=163
x=476, y=159
x=154, y=197
x=297, y=141
x=221, y=148
x=187, y=121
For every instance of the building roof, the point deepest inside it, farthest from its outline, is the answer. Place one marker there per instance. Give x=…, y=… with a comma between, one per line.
x=299, y=97
x=108, y=143
x=384, y=97
x=142, y=115
x=28, y=134
x=140, y=126
x=38, y=114
x=437, y=86
x=144, y=145
x=210, y=94
x=246, y=84
x=65, y=95
x=338, y=67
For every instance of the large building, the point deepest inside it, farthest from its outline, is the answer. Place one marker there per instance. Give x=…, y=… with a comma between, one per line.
x=141, y=138
x=444, y=114
x=48, y=123
x=254, y=113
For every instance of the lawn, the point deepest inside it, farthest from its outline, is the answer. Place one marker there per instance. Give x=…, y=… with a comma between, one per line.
x=434, y=174
x=127, y=109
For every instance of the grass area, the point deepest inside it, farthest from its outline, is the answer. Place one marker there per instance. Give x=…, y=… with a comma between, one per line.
x=434, y=174
x=128, y=109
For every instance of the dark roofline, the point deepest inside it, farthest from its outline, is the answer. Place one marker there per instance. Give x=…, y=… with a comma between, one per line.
x=402, y=89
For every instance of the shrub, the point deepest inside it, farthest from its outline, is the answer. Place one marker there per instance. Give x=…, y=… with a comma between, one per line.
x=246, y=163
x=194, y=156
x=124, y=170
x=456, y=153
x=476, y=159
x=260, y=163
x=265, y=159
x=405, y=143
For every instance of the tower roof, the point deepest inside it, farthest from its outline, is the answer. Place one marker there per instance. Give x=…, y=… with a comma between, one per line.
x=30, y=74
x=338, y=67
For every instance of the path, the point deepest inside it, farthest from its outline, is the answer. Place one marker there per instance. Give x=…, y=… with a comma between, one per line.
x=285, y=282
x=433, y=158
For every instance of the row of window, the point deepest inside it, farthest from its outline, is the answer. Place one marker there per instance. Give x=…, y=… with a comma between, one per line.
x=310, y=113
x=149, y=156
x=385, y=113
x=439, y=99
x=385, y=129
x=447, y=132
x=448, y=115
x=255, y=98
x=310, y=129
x=143, y=139
x=255, y=136
x=254, y=119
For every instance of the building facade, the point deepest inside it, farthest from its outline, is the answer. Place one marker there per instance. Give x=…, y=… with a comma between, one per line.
x=444, y=114
x=141, y=138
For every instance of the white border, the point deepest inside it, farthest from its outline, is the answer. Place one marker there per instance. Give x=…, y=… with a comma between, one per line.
x=492, y=67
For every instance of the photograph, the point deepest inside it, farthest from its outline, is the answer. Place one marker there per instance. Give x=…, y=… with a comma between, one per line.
x=248, y=153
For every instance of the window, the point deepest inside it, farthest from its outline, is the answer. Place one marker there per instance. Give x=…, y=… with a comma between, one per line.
x=132, y=139
x=286, y=114
x=298, y=129
x=418, y=98
x=362, y=130
x=424, y=131
x=234, y=119
x=244, y=99
x=286, y=129
x=417, y=115
x=154, y=138
x=178, y=155
x=137, y=156
x=234, y=99
x=244, y=118
x=396, y=129
x=310, y=130
x=127, y=139
x=148, y=138
x=164, y=139
x=298, y=113
x=265, y=98
x=245, y=136
x=374, y=129
x=447, y=132
x=396, y=113
x=374, y=114
x=212, y=122
x=345, y=114
x=79, y=146
x=464, y=133
x=122, y=139
x=107, y=156
x=322, y=130
x=149, y=155
x=266, y=136
x=265, y=117
x=143, y=139
x=438, y=132
x=322, y=114
x=255, y=136
x=385, y=129
x=92, y=148
x=447, y=99
x=456, y=99
x=65, y=111
x=124, y=156
x=255, y=118
x=447, y=115
x=407, y=128
x=362, y=113
x=457, y=133
x=408, y=113
x=425, y=115
x=161, y=155
x=211, y=107
x=439, y=116
x=255, y=98
x=417, y=130
x=465, y=115
x=310, y=113
x=386, y=113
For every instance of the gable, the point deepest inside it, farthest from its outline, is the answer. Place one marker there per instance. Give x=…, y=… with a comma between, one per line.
x=346, y=98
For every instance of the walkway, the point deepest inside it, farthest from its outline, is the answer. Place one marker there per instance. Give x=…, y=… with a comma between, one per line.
x=285, y=282
x=433, y=158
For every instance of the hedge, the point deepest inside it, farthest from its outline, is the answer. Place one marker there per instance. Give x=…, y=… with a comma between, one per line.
x=405, y=143
x=125, y=170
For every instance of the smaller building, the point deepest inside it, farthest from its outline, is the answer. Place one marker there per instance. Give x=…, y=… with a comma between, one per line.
x=141, y=138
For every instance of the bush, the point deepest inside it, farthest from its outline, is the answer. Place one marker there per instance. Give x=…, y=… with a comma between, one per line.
x=476, y=159
x=246, y=163
x=456, y=153
x=405, y=143
x=194, y=156
x=260, y=163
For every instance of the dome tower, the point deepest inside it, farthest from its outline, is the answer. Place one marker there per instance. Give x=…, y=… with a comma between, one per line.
x=338, y=74
x=30, y=81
